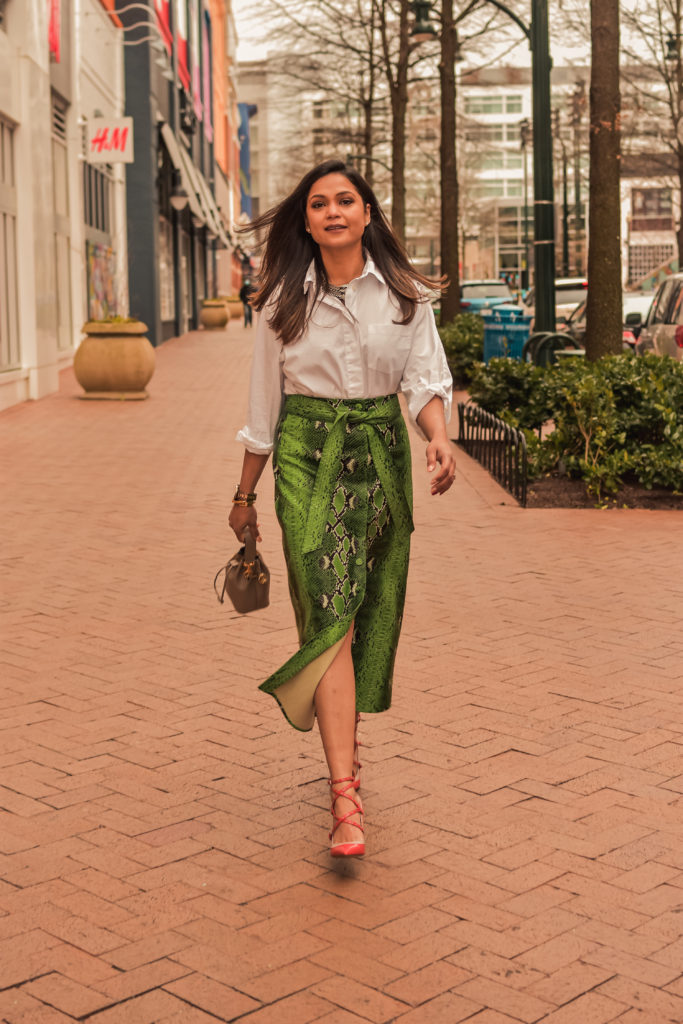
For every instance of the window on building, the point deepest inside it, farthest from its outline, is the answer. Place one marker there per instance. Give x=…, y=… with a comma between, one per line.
x=10, y=355
x=491, y=189
x=482, y=133
x=651, y=209
x=513, y=161
x=97, y=197
x=513, y=188
x=484, y=105
x=492, y=162
x=513, y=104
x=508, y=235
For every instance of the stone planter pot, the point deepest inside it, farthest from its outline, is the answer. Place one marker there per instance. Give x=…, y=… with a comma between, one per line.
x=114, y=360
x=235, y=309
x=213, y=315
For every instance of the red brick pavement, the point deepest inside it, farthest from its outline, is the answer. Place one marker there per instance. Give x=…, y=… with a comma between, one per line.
x=163, y=832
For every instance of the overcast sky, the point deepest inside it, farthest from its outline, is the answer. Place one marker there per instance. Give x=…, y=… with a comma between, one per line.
x=253, y=42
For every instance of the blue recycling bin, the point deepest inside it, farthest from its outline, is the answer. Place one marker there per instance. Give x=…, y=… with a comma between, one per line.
x=505, y=331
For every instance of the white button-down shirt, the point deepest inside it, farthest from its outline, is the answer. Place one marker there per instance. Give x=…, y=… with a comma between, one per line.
x=351, y=350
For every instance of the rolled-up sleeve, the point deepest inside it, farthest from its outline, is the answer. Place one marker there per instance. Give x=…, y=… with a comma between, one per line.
x=266, y=389
x=426, y=371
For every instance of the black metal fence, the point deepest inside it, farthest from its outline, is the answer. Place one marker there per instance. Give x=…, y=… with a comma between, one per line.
x=500, y=448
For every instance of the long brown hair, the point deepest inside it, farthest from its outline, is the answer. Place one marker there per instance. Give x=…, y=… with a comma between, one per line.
x=289, y=250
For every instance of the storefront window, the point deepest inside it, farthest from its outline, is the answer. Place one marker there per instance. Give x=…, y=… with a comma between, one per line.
x=166, y=283
x=100, y=255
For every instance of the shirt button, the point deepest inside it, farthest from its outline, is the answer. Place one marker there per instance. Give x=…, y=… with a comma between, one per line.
x=359, y=561
x=358, y=406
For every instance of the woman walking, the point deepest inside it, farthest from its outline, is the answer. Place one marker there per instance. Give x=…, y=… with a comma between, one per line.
x=346, y=324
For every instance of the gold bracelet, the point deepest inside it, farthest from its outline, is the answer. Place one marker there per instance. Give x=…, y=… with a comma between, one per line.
x=243, y=503
x=245, y=498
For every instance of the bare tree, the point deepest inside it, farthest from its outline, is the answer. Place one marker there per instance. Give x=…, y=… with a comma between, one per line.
x=328, y=49
x=604, y=302
x=450, y=248
x=393, y=25
x=654, y=80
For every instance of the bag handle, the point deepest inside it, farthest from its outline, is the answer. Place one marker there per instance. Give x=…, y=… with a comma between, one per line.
x=221, y=594
x=249, y=546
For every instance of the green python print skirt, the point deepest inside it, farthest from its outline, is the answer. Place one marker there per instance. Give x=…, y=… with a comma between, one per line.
x=343, y=497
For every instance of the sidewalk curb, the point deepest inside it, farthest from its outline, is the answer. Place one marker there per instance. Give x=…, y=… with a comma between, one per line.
x=481, y=481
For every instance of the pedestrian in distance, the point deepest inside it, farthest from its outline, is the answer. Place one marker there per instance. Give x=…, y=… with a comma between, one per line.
x=346, y=324
x=246, y=292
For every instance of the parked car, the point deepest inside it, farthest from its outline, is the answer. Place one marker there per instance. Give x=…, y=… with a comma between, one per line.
x=662, y=332
x=478, y=295
x=569, y=292
x=636, y=306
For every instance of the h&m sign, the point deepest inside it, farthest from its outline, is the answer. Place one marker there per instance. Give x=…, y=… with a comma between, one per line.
x=110, y=140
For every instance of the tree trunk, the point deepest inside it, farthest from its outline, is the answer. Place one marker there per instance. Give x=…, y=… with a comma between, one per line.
x=604, y=313
x=368, y=125
x=368, y=141
x=450, y=299
x=679, y=233
x=678, y=121
x=399, y=104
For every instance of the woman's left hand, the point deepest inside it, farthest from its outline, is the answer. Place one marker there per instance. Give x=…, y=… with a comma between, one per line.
x=440, y=450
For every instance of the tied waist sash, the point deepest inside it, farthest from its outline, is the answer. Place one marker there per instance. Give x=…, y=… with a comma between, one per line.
x=367, y=415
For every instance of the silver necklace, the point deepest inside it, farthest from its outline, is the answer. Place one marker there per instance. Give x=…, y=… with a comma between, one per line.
x=339, y=291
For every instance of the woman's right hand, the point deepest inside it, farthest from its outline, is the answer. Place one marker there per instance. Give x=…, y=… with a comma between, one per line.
x=239, y=517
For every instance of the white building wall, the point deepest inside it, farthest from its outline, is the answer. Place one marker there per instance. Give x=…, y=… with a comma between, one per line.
x=658, y=246
x=26, y=105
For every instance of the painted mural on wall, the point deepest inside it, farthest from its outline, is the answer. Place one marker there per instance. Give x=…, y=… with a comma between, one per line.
x=101, y=264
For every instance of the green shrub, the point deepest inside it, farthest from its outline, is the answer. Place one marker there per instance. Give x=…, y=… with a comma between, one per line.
x=463, y=342
x=512, y=390
x=617, y=420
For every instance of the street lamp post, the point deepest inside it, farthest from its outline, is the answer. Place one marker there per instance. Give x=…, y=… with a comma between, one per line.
x=544, y=201
x=557, y=124
x=525, y=139
x=577, y=102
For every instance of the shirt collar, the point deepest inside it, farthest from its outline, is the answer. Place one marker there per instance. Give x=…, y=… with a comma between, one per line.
x=369, y=268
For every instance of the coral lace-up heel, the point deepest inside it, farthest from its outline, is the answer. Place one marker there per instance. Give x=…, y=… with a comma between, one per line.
x=346, y=788
x=356, y=763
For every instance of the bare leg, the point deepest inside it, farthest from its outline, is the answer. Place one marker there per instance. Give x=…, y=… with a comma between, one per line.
x=335, y=707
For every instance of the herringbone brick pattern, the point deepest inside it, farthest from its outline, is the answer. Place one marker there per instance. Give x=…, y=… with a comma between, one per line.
x=163, y=832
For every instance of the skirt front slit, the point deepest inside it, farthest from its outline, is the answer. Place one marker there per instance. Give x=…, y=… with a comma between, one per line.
x=343, y=498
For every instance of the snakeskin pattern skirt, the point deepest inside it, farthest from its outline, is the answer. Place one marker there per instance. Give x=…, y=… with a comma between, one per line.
x=343, y=497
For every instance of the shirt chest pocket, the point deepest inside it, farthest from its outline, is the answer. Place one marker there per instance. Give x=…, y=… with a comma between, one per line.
x=386, y=347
